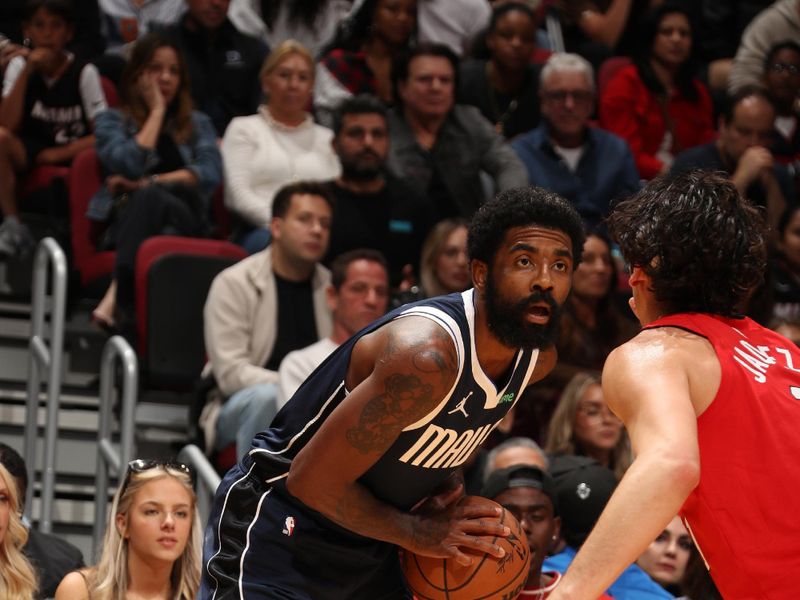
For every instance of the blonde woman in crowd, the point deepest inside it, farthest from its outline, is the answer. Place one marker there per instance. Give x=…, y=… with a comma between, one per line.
x=278, y=145
x=153, y=540
x=444, y=267
x=582, y=424
x=17, y=578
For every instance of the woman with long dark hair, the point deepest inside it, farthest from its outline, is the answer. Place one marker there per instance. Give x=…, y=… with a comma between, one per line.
x=657, y=104
x=360, y=57
x=162, y=162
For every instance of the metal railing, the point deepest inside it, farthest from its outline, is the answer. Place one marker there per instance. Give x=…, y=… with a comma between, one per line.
x=109, y=459
x=207, y=478
x=45, y=358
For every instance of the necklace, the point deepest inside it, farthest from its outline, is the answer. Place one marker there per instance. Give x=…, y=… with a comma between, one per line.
x=500, y=117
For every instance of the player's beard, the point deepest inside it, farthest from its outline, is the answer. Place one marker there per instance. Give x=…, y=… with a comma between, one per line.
x=506, y=319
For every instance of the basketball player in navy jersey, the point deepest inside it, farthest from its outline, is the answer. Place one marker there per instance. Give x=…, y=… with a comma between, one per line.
x=366, y=456
x=711, y=399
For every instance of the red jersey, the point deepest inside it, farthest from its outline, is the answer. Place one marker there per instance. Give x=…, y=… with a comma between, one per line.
x=745, y=513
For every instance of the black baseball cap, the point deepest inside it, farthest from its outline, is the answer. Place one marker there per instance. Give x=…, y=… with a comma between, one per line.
x=583, y=493
x=518, y=476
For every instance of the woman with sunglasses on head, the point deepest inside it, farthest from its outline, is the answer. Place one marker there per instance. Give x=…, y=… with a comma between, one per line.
x=152, y=542
x=17, y=577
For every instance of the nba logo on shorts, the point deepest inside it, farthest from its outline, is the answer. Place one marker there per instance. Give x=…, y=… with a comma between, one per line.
x=288, y=526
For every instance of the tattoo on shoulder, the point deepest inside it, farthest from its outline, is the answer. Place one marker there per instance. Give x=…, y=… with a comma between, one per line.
x=405, y=400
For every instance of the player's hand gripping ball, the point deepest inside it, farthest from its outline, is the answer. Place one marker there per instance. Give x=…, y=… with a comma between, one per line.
x=487, y=578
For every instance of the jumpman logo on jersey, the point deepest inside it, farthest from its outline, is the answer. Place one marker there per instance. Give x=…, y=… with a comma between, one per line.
x=461, y=406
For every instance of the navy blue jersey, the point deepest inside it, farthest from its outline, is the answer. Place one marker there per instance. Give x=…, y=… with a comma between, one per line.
x=426, y=452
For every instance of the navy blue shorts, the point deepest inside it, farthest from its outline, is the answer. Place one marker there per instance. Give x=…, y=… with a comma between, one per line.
x=261, y=543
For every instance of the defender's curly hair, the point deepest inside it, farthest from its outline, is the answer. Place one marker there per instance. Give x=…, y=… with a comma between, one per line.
x=699, y=240
x=519, y=207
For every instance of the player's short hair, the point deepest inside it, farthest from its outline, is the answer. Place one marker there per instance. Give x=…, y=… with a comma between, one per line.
x=283, y=198
x=520, y=207
x=341, y=263
x=700, y=241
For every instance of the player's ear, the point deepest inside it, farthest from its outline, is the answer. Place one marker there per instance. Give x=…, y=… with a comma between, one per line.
x=637, y=276
x=480, y=271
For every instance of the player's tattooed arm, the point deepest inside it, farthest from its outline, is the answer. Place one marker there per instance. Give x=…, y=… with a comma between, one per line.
x=408, y=395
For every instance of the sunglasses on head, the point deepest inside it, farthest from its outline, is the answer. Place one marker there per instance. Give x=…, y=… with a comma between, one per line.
x=141, y=465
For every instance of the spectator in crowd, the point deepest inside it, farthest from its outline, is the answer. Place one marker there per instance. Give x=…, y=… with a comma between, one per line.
x=454, y=24
x=51, y=557
x=152, y=542
x=359, y=59
x=784, y=280
x=278, y=145
x=311, y=23
x=582, y=493
x=722, y=23
x=588, y=166
x=656, y=104
x=86, y=43
x=778, y=22
x=529, y=493
x=782, y=81
x=373, y=208
x=598, y=30
x=665, y=560
x=17, y=577
x=357, y=295
x=50, y=101
x=262, y=308
x=515, y=451
x=223, y=63
x=125, y=22
x=441, y=148
x=582, y=424
x=592, y=323
x=162, y=163
x=444, y=265
x=504, y=87
x=742, y=151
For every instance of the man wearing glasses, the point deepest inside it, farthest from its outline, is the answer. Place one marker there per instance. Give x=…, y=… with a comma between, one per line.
x=588, y=166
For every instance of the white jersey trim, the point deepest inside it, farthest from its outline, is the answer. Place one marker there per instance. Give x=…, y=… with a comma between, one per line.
x=219, y=529
x=446, y=322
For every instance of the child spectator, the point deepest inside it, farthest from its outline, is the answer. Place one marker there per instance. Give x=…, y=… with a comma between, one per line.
x=50, y=100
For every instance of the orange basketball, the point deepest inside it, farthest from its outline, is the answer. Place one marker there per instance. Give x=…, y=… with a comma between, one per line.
x=487, y=578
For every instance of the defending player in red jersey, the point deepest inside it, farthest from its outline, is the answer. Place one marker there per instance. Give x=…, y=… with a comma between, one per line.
x=710, y=399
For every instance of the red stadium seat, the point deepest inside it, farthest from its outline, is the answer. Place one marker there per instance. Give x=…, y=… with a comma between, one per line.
x=85, y=178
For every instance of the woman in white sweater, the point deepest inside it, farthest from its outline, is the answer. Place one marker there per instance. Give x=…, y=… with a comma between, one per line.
x=278, y=145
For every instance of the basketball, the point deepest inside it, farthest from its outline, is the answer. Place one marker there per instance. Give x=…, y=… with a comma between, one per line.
x=487, y=578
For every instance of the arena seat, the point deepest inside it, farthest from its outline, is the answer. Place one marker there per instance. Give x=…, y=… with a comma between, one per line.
x=172, y=277
x=85, y=178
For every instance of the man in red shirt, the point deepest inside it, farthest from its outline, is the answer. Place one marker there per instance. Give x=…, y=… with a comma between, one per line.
x=709, y=398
